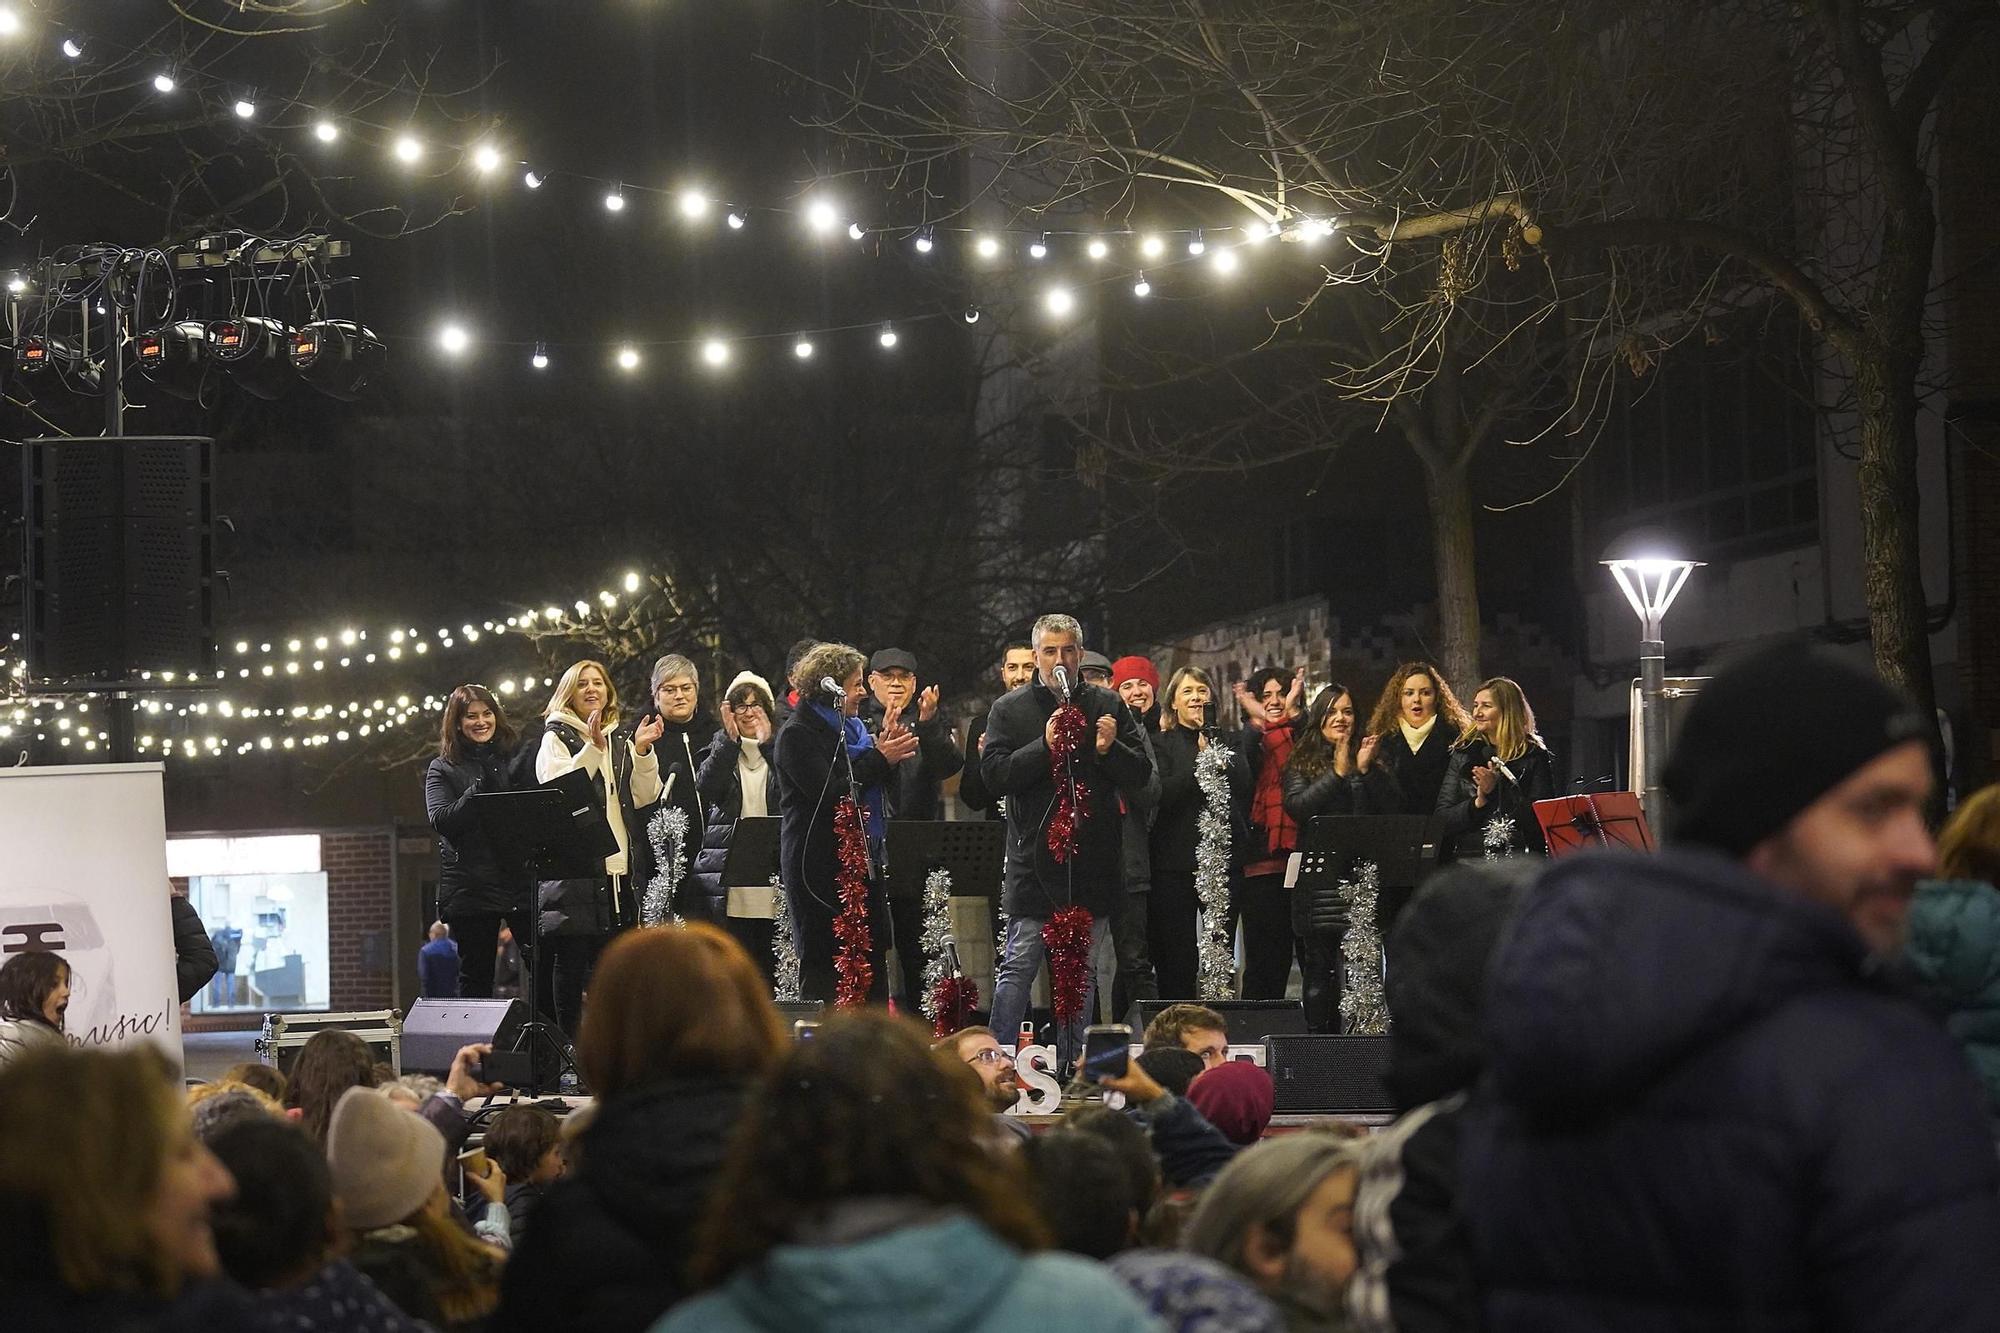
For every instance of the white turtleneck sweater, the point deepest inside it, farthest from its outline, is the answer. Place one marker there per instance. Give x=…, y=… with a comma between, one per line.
x=554, y=759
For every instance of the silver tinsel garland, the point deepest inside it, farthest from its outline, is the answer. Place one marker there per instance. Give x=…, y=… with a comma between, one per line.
x=1363, y=1010
x=1499, y=838
x=784, y=948
x=937, y=936
x=667, y=831
x=1216, y=974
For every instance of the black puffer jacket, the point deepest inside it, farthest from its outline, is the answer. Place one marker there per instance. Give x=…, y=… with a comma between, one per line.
x=607, y=1247
x=471, y=881
x=1465, y=824
x=720, y=782
x=1704, y=1110
x=681, y=748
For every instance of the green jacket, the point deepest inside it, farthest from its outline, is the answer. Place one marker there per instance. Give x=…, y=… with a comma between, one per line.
x=1953, y=952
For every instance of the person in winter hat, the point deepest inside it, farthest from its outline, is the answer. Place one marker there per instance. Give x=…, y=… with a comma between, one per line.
x=1704, y=1105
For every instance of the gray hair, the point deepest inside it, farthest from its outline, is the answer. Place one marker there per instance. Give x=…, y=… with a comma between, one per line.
x=838, y=660
x=1265, y=1186
x=671, y=667
x=1055, y=623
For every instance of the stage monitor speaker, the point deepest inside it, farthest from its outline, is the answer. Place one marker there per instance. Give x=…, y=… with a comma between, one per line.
x=120, y=558
x=1248, y=1020
x=1320, y=1074
x=794, y=1010
x=433, y=1030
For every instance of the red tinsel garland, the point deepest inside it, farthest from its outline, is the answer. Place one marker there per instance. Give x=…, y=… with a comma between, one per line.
x=1066, y=936
x=952, y=1001
x=1072, y=797
x=853, y=941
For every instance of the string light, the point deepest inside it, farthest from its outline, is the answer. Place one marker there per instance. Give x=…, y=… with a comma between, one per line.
x=1142, y=287
x=540, y=360
x=855, y=231
x=1040, y=248
x=409, y=149
x=326, y=131
x=532, y=179
x=887, y=337
x=10, y=22
x=715, y=352
x=694, y=204
x=72, y=48
x=1060, y=301
x=454, y=339
x=803, y=349
x=614, y=202
x=988, y=247
x=735, y=220
x=1224, y=261
x=1197, y=242
x=1153, y=245
x=821, y=215
x=163, y=83
x=245, y=109
x=1097, y=248
x=926, y=240
x=486, y=159
x=628, y=357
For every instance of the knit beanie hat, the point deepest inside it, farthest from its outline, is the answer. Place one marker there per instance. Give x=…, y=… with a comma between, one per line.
x=1772, y=733
x=1134, y=668
x=757, y=682
x=386, y=1161
x=1236, y=1097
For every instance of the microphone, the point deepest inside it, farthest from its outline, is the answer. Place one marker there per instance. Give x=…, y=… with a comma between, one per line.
x=831, y=688
x=1062, y=681
x=1505, y=771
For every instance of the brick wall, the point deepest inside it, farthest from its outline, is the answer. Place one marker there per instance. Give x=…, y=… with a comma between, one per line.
x=360, y=875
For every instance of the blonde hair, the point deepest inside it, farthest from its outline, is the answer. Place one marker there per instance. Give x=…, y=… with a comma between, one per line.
x=1969, y=844
x=1167, y=719
x=565, y=693
x=88, y=1137
x=1515, y=731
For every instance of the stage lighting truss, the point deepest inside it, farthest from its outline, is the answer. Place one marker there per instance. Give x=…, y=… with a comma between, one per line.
x=39, y=355
x=252, y=348
x=337, y=356
x=174, y=358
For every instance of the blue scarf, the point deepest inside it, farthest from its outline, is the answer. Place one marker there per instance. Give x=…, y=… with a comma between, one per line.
x=854, y=732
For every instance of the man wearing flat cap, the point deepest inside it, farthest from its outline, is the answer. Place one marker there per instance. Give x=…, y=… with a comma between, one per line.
x=915, y=789
x=1707, y=1106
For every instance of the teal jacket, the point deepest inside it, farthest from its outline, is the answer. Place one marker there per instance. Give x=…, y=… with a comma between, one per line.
x=949, y=1276
x=1953, y=951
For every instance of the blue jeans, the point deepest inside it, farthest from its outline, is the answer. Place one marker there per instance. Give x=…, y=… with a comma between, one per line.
x=1015, y=975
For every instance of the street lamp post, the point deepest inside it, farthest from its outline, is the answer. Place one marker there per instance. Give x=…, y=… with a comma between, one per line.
x=1650, y=579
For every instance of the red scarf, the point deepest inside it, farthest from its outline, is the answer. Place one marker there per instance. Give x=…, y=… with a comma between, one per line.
x=1267, y=803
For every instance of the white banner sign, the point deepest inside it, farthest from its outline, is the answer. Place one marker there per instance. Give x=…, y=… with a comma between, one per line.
x=84, y=873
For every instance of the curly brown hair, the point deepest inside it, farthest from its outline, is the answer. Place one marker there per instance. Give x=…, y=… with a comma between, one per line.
x=1389, y=706
x=863, y=1109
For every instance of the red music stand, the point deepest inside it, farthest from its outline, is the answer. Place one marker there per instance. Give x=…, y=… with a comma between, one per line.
x=1579, y=823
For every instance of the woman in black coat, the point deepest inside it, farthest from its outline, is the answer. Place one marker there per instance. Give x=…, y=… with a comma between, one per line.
x=1327, y=774
x=737, y=778
x=819, y=742
x=1499, y=769
x=475, y=891
x=1414, y=724
x=1173, y=916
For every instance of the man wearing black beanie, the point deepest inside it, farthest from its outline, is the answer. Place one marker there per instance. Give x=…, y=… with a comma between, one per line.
x=1705, y=1107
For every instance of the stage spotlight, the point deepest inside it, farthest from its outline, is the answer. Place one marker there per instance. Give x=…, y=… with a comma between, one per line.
x=37, y=355
x=174, y=357
x=252, y=350
x=337, y=356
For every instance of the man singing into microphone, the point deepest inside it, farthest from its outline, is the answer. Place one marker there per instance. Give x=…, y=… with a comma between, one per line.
x=1018, y=763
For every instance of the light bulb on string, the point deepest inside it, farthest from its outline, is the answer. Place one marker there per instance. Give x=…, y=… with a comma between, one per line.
x=540, y=360
x=693, y=204
x=72, y=48
x=972, y=314
x=1097, y=249
x=987, y=247
x=245, y=109
x=715, y=352
x=1153, y=245
x=628, y=357
x=855, y=231
x=408, y=149
x=1060, y=301
x=325, y=131
x=163, y=82
x=454, y=339
x=1142, y=287
x=887, y=337
x=802, y=349
x=1197, y=242
x=1224, y=261
x=532, y=179
x=735, y=220
x=614, y=202
x=926, y=241
x=1040, y=248
x=821, y=215
x=486, y=159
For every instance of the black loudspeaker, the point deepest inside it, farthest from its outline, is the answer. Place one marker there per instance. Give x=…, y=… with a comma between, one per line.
x=433, y=1030
x=794, y=1010
x=1318, y=1074
x=1248, y=1020
x=120, y=558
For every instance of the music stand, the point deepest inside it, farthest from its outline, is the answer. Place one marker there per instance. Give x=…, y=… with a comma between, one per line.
x=555, y=832
x=969, y=850
x=1578, y=823
x=1404, y=849
x=752, y=859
